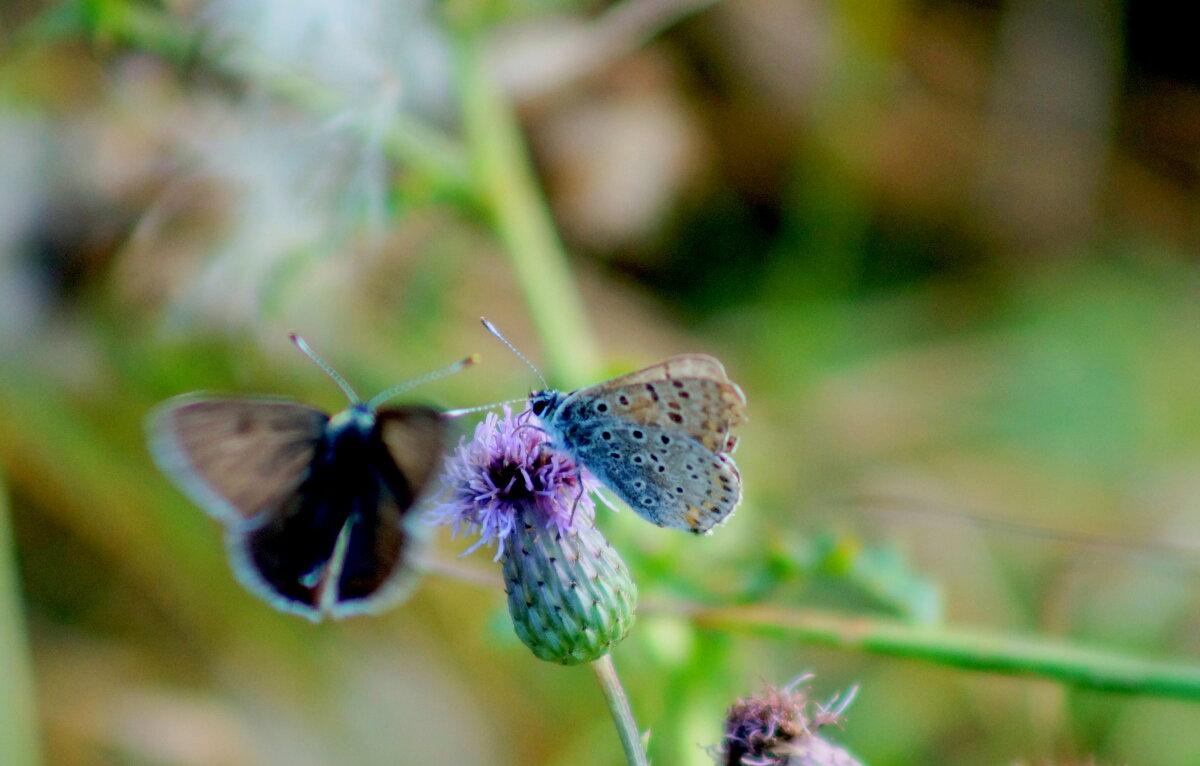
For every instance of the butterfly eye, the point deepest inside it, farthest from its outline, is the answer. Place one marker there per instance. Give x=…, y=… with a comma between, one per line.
x=539, y=402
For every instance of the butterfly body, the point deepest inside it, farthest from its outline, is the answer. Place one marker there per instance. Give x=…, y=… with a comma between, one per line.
x=658, y=438
x=316, y=508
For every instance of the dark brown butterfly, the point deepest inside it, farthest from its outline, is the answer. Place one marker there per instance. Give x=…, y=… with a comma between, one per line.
x=317, y=509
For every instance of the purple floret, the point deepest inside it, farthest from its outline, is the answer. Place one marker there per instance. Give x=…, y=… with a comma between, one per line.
x=508, y=465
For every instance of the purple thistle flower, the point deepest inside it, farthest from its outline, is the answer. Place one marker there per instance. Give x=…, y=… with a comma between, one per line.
x=569, y=594
x=506, y=469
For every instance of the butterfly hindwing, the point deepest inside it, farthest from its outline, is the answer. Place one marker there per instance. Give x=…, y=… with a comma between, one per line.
x=663, y=474
x=408, y=449
x=377, y=561
x=284, y=557
x=235, y=457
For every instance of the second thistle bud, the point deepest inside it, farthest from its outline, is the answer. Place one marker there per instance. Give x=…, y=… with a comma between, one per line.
x=780, y=728
x=569, y=593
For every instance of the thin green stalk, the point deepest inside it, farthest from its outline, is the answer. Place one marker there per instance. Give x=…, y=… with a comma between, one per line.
x=19, y=743
x=512, y=200
x=972, y=650
x=618, y=705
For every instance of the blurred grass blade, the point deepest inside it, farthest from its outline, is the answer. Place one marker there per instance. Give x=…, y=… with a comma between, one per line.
x=974, y=650
x=522, y=219
x=19, y=745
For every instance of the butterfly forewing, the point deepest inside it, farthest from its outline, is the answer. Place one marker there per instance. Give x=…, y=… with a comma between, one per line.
x=236, y=457
x=690, y=392
x=681, y=366
x=702, y=408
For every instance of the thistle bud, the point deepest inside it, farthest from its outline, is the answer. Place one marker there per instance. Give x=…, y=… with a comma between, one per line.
x=569, y=594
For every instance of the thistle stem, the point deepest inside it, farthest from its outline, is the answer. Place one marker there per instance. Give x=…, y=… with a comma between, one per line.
x=18, y=719
x=618, y=705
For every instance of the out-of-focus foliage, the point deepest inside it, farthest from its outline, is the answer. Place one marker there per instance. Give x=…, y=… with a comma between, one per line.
x=947, y=249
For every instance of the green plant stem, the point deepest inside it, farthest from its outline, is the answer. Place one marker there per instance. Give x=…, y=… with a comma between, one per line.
x=618, y=705
x=972, y=650
x=513, y=203
x=19, y=744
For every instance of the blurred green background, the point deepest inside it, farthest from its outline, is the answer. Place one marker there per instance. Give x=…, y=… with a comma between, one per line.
x=948, y=249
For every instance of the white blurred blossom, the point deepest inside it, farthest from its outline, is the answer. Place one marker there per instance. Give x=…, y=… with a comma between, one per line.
x=306, y=179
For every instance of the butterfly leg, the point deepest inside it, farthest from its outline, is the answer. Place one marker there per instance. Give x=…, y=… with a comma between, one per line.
x=578, y=497
x=531, y=427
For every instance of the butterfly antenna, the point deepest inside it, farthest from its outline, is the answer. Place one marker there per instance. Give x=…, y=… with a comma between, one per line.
x=342, y=384
x=421, y=380
x=480, y=408
x=492, y=329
